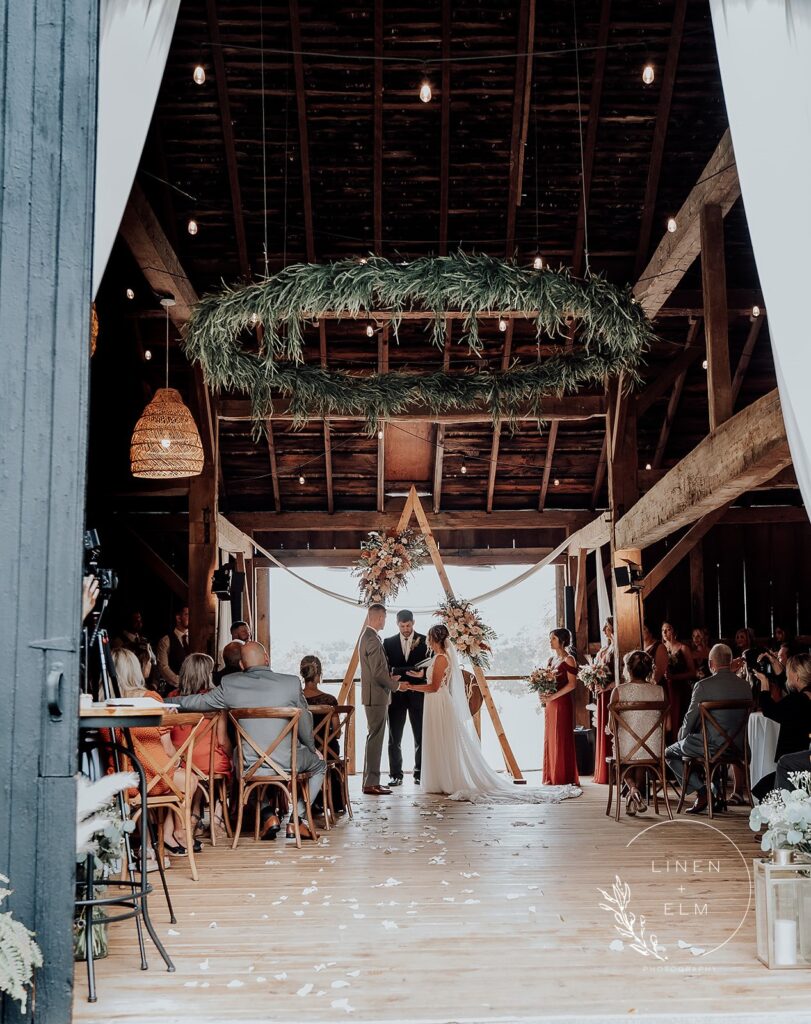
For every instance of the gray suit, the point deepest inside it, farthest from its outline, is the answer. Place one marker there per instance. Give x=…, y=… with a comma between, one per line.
x=376, y=686
x=261, y=687
x=723, y=685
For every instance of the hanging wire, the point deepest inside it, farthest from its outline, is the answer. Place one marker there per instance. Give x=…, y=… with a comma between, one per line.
x=286, y=160
x=166, y=310
x=582, y=159
x=264, y=136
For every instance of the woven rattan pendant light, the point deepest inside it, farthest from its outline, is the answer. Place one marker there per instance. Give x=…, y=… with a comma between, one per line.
x=166, y=442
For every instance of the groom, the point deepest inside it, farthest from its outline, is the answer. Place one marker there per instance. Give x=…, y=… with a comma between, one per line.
x=376, y=686
x=405, y=650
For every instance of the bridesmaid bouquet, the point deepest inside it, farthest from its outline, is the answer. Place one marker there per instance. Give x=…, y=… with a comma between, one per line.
x=596, y=676
x=468, y=633
x=543, y=681
x=385, y=562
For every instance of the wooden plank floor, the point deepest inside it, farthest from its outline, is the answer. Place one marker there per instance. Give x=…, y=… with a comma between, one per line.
x=425, y=910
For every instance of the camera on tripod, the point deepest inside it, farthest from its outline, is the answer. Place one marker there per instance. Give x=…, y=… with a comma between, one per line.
x=107, y=578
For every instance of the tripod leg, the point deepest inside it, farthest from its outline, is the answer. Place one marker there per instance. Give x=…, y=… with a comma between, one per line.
x=158, y=851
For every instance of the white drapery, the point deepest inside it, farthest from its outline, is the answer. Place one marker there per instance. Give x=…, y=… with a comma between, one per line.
x=764, y=51
x=134, y=40
x=603, y=600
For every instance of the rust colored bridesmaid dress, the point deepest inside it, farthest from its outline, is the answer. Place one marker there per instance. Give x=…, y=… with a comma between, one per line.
x=603, y=744
x=559, y=762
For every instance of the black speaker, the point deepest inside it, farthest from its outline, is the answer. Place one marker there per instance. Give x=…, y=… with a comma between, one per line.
x=628, y=575
x=222, y=581
x=584, y=744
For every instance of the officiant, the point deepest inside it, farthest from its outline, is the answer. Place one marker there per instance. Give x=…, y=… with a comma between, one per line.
x=405, y=650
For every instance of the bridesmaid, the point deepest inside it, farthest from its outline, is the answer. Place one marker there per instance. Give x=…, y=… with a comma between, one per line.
x=681, y=674
x=559, y=762
x=603, y=743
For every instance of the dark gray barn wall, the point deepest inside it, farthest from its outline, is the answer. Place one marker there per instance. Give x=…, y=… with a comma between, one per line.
x=48, y=54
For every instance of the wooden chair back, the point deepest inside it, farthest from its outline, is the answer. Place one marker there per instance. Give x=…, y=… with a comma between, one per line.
x=182, y=757
x=734, y=746
x=336, y=735
x=322, y=714
x=265, y=761
x=642, y=751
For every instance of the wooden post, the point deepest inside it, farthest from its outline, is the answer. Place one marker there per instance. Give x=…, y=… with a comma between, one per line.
x=560, y=596
x=626, y=606
x=623, y=493
x=581, y=638
x=202, y=559
x=262, y=610
x=716, y=327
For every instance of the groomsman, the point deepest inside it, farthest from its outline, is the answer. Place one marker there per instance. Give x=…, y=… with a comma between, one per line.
x=405, y=650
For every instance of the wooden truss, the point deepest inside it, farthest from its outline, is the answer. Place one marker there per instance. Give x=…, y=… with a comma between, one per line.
x=413, y=507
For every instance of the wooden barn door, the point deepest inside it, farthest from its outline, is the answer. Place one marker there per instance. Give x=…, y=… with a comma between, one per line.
x=48, y=54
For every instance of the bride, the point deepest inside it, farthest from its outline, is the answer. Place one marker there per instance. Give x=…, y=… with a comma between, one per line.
x=452, y=761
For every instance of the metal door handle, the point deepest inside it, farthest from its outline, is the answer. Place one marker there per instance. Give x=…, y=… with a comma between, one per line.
x=53, y=691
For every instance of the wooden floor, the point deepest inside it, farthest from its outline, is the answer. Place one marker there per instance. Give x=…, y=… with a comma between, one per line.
x=425, y=910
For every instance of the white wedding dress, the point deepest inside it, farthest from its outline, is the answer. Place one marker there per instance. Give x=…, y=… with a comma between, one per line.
x=452, y=760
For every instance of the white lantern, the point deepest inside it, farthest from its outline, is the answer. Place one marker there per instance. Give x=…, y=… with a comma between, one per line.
x=783, y=911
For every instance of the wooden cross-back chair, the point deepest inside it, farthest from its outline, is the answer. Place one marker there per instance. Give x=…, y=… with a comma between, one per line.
x=733, y=750
x=213, y=784
x=267, y=771
x=176, y=799
x=647, y=750
x=330, y=728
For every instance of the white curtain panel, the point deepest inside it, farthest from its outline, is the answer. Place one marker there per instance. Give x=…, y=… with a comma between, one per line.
x=134, y=40
x=603, y=600
x=764, y=50
x=224, y=619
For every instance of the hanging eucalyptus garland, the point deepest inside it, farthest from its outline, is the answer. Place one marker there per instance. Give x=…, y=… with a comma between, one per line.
x=612, y=334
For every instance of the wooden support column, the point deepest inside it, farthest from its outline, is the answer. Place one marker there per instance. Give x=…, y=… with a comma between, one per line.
x=262, y=610
x=560, y=597
x=623, y=493
x=716, y=325
x=581, y=638
x=202, y=559
x=626, y=605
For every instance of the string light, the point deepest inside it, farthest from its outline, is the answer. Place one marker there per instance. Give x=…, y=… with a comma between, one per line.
x=704, y=365
x=362, y=260
x=671, y=224
x=302, y=479
x=370, y=331
x=556, y=482
x=537, y=263
x=147, y=354
x=199, y=75
x=425, y=92
x=131, y=295
x=191, y=227
x=502, y=325
x=755, y=312
x=648, y=74
x=463, y=469
x=380, y=435
x=648, y=466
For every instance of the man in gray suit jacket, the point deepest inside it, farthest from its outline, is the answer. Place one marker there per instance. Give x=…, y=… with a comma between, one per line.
x=257, y=686
x=376, y=687
x=721, y=685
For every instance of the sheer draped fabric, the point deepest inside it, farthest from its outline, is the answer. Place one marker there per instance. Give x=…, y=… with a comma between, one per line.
x=452, y=760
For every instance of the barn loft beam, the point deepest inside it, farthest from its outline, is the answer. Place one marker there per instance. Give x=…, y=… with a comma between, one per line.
x=450, y=556
x=571, y=407
x=439, y=449
x=683, y=546
x=358, y=521
x=228, y=136
x=274, y=466
x=669, y=374
x=692, y=350
x=746, y=356
x=744, y=452
x=382, y=367
x=322, y=342
x=716, y=322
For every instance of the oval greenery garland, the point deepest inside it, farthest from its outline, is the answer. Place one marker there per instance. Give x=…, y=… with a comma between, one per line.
x=613, y=334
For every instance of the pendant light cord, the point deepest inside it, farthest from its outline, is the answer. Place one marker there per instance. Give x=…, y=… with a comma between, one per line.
x=580, y=130
x=166, y=310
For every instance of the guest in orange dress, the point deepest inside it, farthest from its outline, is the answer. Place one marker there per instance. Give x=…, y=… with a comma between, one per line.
x=197, y=676
x=603, y=743
x=559, y=761
x=155, y=749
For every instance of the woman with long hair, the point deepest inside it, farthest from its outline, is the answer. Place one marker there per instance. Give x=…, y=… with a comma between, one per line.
x=311, y=673
x=559, y=760
x=602, y=745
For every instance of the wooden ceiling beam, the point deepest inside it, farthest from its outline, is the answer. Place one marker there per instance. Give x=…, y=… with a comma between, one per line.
x=274, y=466
x=228, y=136
x=362, y=521
x=716, y=322
x=570, y=407
x=322, y=341
x=439, y=449
x=382, y=367
x=746, y=356
x=669, y=374
x=450, y=556
x=692, y=350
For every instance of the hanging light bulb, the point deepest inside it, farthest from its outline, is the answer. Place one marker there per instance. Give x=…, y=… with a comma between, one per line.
x=537, y=263
x=302, y=479
x=463, y=469
x=199, y=75
x=755, y=312
x=370, y=331
x=557, y=482
x=130, y=293
x=704, y=365
x=648, y=466
x=648, y=74
x=166, y=442
x=380, y=435
x=362, y=260
x=425, y=91
x=191, y=227
x=147, y=354
x=316, y=323
x=502, y=325
x=671, y=224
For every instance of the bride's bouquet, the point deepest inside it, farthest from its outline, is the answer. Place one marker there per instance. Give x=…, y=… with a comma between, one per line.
x=468, y=633
x=597, y=676
x=543, y=681
x=385, y=562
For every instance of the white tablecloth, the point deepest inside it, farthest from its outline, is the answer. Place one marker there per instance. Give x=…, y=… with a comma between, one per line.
x=763, y=733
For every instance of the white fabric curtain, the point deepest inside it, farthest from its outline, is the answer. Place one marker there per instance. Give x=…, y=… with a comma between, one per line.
x=223, y=620
x=603, y=600
x=134, y=40
x=764, y=50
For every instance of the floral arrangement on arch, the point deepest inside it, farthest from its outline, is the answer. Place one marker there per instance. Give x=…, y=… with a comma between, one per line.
x=543, y=681
x=786, y=813
x=469, y=634
x=597, y=676
x=386, y=560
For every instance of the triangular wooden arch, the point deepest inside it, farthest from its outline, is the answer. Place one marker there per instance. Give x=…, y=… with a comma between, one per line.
x=413, y=507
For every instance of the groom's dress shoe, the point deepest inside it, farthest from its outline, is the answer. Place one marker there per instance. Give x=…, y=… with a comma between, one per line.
x=270, y=827
x=700, y=804
x=304, y=831
x=396, y=781
x=376, y=790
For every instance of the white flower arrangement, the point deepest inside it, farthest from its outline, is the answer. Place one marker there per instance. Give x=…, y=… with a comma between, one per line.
x=543, y=681
x=386, y=560
x=597, y=676
x=786, y=813
x=471, y=637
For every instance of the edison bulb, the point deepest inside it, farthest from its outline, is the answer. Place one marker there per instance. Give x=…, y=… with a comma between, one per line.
x=425, y=92
x=648, y=74
x=302, y=480
x=648, y=466
x=537, y=263
x=370, y=331
x=704, y=365
x=557, y=482
x=671, y=224
x=380, y=435
x=199, y=75
x=131, y=295
x=147, y=354
x=192, y=227
x=502, y=325
x=166, y=443
x=463, y=470
x=755, y=312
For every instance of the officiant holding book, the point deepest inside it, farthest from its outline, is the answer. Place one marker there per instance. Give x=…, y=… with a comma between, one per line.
x=405, y=651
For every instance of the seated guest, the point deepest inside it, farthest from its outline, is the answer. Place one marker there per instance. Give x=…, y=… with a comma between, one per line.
x=744, y=641
x=788, y=763
x=258, y=686
x=656, y=649
x=793, y=713
x=173, y=648
x=723, y=685
x=156, y=743
x=700, y=644
x=240, y=631
x=311, y=672
x=231, y=654
x=132, y=637
x=638, y=685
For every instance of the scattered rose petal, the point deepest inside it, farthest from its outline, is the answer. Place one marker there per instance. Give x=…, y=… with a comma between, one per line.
x=340, y=983
x=617, y=946
x=305, y=990
x=390, y=926
x=235, y=984
x=281, y=977
x=203, y=966
x=341, y=1004
x=213, y=924
x=172, y=932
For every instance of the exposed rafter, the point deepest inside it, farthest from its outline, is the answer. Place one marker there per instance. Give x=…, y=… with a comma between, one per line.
x=692, y=351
